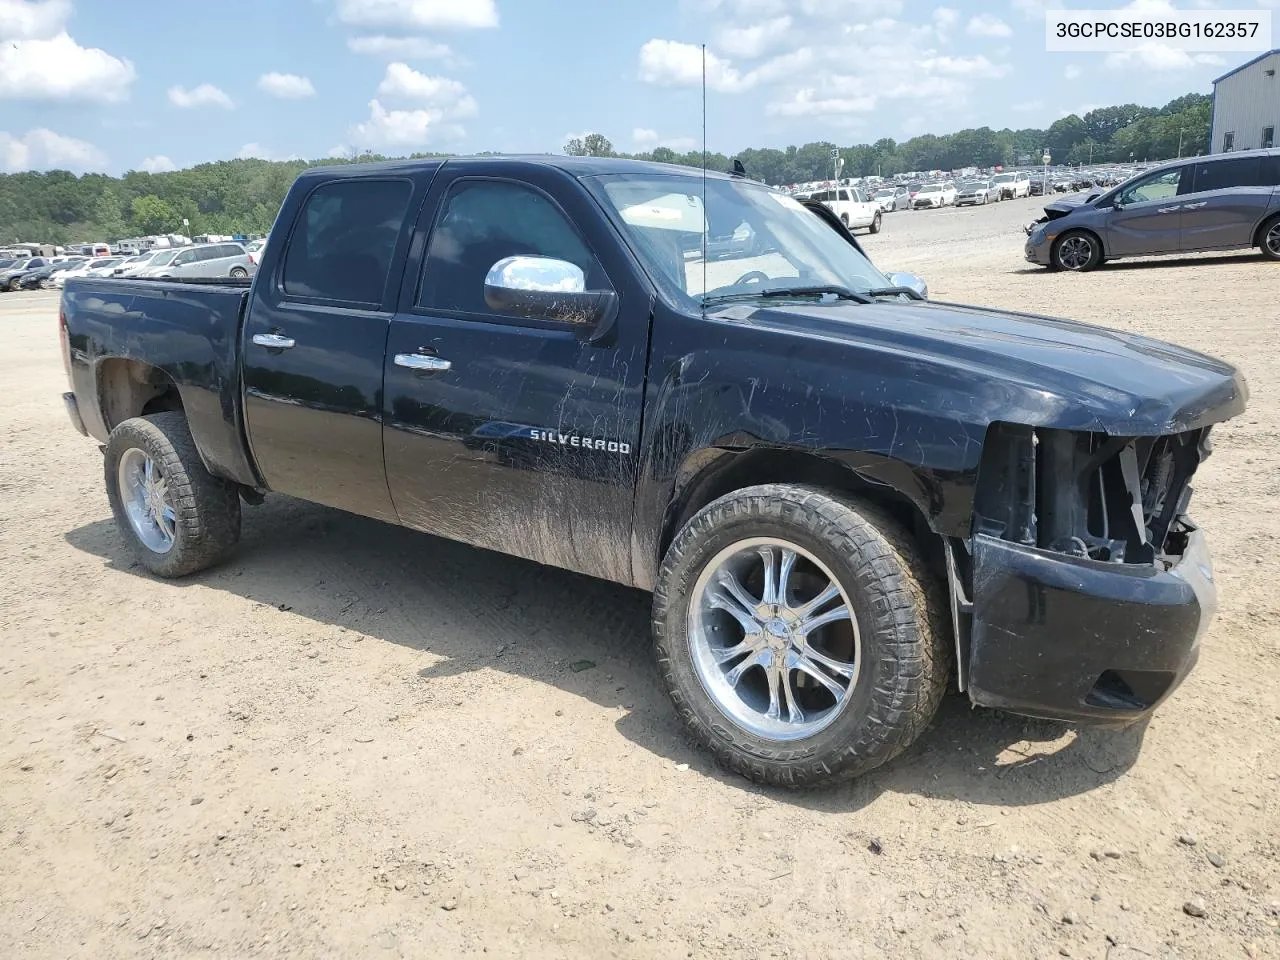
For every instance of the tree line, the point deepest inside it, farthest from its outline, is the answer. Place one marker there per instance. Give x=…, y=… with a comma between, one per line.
x=242, y=196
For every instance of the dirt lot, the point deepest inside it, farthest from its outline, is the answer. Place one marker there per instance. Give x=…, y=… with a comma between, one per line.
x=354, y=741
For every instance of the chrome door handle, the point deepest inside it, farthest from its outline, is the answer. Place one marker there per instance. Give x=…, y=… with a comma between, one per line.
x=273, y=340
x=1196, y=206
x=1169, y=209
x=420, y=361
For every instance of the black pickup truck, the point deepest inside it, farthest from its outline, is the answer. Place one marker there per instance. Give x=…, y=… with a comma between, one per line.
x=841, y=493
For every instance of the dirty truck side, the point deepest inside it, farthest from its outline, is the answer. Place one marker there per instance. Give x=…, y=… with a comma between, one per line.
x=840, y=493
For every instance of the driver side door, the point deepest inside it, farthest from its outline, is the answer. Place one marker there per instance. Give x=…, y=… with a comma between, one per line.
x=510, y=433
x=1147, y=217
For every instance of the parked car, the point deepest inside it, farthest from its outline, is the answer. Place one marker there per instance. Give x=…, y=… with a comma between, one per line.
x=1013, y=186
x=254, y=250
x=42, y=277
x=1227, y=201
x=855, y=211
x=9, y=274
x=976, y=191
x=130, y=264
x=892, y=199
x=134, y=266
x=941, y=194
x=82, y=269
x=831, y=500
x=103, y=266
x=913, y=188
x=205, y=260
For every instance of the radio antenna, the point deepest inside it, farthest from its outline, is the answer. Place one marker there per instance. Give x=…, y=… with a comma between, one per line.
x=703, y=298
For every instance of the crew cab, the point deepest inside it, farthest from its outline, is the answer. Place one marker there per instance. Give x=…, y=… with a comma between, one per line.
x=855, y=211
x=842, y=495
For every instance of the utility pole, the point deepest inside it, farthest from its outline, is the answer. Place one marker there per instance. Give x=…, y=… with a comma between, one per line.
x=1180, y=132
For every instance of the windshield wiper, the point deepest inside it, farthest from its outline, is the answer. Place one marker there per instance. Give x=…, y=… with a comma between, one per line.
x=894, y=292
x=844, y=293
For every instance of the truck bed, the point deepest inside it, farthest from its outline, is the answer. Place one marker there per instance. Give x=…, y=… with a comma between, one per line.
x=188, y=331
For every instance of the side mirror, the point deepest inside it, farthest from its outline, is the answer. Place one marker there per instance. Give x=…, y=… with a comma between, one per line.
x=544, y=288
x=911, y=281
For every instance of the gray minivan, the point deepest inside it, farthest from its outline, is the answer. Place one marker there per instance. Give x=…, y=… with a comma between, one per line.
x=1227, y=201
x=207, y=260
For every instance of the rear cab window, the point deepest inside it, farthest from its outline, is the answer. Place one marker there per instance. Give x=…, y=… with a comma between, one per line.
x=344, y=239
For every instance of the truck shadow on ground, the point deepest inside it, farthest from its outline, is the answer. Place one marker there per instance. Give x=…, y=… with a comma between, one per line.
x=478, y=610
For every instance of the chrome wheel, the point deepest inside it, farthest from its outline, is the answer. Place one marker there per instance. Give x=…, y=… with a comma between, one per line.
x=1075, y=253
x=147, y=501
x=1272, y=239
x=774, y=639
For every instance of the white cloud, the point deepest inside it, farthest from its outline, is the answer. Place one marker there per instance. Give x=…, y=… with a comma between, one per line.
x=42, y=149
x=402, y=48
x=1072, y=72
x=405, y=128
x=670, y=63
x=978, y=66
x=754, y=40
x=403, y=81
x=58, y=68
x=205, y=95
x=21, y=20
x=158, y=164
x=1160, y=58
x=1033, y=9
x=286, y=86
x=256, y=151
x=419, y=14
x=339, y=152
x=1031, y=106
x=806, y=103
x=647, y=139
x=987, y=25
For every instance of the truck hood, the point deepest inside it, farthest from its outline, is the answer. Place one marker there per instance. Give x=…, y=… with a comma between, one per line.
x=994, y=365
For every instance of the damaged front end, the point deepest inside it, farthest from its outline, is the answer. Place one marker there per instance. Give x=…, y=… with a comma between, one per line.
x=1060, y=208
x=1085, y=586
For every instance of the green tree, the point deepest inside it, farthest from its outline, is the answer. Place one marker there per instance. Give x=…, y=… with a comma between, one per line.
x=153, y=215
x=592, y=145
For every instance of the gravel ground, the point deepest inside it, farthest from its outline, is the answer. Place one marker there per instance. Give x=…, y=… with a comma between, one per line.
x=355, y=741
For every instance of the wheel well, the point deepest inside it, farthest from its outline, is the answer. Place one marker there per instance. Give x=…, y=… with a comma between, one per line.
x=131, y=388
x=734, y=470
x=1257, y=234
x=1092, y=234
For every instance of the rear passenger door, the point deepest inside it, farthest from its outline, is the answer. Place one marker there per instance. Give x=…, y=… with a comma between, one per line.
x=515, y=434
x=315, y=334
x=1226, y=202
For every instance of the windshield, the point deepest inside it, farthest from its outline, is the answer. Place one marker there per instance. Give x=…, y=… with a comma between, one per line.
x=108, y=262
x=1004, y=178
x=757, y=240
x=882, y=194
x=163, y=259
x=931, y=188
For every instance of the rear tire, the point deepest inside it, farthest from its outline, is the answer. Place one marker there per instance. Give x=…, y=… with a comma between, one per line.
x=1269, y=238
x=844, y=218
x=196, y=520
x=239, y=273
x=895, y=650
x=875, y=223
x=1077, y=250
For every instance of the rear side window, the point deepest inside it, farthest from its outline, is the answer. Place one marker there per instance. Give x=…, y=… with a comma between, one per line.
x=1221, y=174
x=342, y=245
x=1270, y=171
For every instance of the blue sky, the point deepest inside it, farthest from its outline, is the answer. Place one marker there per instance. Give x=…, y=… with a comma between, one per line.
x=93, y=85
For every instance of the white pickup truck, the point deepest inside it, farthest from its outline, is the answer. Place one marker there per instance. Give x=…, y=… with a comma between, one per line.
x=853, y=208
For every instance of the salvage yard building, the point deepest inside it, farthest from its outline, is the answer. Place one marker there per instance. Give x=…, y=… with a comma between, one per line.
x=1246, y=106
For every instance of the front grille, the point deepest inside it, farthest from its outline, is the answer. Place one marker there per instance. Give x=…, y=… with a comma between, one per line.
x=1118, y=499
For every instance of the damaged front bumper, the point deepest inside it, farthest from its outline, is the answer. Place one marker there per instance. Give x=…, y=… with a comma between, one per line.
x=1077, y=639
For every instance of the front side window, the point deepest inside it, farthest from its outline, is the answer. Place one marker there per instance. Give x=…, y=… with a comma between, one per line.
x=1159, y=187
x=483, y=221
x=1222, y=174
x=343, y=242
x=757, y=239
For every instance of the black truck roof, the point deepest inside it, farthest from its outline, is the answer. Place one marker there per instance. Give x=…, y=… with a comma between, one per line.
x=575, y=166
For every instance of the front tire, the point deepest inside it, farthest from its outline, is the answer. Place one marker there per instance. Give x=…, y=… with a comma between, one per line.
x=176, y=516
x=781, y=685
x=1077, y=250
x=844, y=218
x=875, y=223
